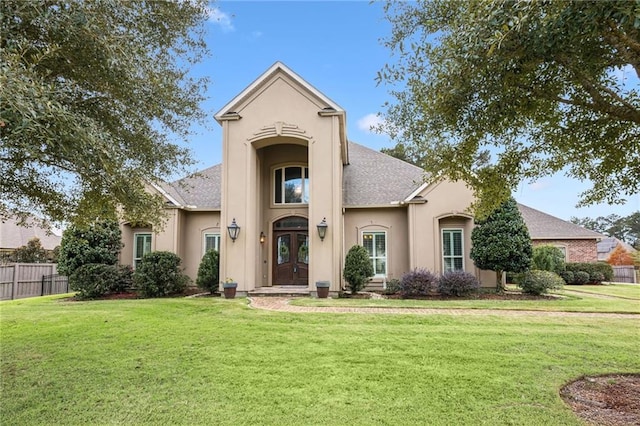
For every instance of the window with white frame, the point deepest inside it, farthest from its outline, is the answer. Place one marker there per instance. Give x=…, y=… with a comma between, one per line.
x=376, y=245
x=452, y=250
x=291, y=185
x=563, y=249
x=141, y=246
x=211, y=242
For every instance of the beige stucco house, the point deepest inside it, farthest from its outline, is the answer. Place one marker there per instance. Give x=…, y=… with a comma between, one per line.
x=289, y=172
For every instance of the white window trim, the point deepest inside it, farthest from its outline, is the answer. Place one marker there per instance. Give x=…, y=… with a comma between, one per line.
x=282, y=188
x=564, y=248
x=386, y=252
x=442, y=231
x=135, y=245
x=204, y=240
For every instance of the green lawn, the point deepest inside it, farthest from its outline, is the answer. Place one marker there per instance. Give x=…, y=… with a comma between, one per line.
x=585, y=301
x=212, y=361
x=631, y=291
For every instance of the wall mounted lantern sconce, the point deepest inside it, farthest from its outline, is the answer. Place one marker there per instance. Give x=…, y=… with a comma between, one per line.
x=234, y=230
x=262, y=237
x=322, y=229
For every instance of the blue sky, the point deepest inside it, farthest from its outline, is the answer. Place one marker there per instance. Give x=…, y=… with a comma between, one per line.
x=335, y=46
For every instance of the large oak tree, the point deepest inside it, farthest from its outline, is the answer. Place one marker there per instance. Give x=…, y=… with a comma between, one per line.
x=497, y=92
x=96, y=96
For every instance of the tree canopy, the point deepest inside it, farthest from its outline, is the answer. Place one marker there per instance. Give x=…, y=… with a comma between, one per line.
x=501, y=242
x=499, y=92
x=95, y=97
x=625, y=228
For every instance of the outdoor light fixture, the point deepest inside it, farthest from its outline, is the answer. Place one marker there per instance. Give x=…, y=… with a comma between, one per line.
x=234, y=230
x=322, y=229
x=262, y=237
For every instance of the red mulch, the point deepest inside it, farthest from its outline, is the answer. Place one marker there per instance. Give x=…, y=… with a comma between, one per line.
x=608, y=400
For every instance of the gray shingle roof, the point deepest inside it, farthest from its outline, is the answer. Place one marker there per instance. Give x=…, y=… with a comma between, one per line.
x=543, y=226
x=370, y=179
x=374, y=179
x=200, y=190
x=13, y=235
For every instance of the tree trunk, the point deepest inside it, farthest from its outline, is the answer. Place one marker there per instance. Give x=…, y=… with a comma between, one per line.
x=499, y=286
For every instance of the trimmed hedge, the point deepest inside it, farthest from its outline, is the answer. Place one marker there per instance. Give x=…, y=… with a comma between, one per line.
x=597, y=271
x=457, y=283
x=580, y=278
x=540, y=282
x=393, y=287
x=95, y=280
x=416, y=283
x=159, y=274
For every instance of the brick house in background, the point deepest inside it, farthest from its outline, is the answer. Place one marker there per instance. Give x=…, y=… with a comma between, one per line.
x=578, y=244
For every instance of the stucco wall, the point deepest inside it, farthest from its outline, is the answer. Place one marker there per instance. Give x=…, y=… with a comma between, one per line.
x=393, y=221
x=577, y=250
x=194, y=226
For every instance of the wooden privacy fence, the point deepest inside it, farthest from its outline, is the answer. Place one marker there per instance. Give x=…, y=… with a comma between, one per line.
x=624, y=274
x=20, y=280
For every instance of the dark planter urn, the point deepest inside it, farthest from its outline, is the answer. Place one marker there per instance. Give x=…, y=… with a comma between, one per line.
x=229, y=290
x=323, y=289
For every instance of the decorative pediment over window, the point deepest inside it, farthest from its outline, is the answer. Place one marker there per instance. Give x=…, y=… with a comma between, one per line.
x=279, y=128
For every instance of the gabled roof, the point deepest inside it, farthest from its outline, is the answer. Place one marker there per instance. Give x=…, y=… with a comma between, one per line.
x=200, y=191
x=608, y=244
x=543, y=226
x=371, y=179
x=258, y=82
x=376, y=179
x=13, y=235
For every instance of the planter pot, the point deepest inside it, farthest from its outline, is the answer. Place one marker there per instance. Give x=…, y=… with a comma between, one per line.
x=229, y=290
x=323, y=289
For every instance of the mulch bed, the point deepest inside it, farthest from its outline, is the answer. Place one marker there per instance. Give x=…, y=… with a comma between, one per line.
x=608, y=400
x=507, y=295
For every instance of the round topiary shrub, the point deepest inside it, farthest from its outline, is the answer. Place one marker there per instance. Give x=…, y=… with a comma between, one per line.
x=159, y=274
x=95, y=280
x=581, y=278
x=457, y=283
x=393, y=287
x=567, y=276
x=357, y=268
x=416, y=283
x=209, y=272
x=540, y=282
x=596, y=277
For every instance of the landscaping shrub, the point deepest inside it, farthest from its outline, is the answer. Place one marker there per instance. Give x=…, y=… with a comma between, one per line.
x=567, y=276
x=590, y=268
x=458, y=283
x=547, y=258
x=209, y=272
x=95, y=280
x=596, y=277
x=159, y=274
x=96, y=243
x=580, y=278
x=418, y=282
x=540, y=282
x=357, y=268
x=393, y=287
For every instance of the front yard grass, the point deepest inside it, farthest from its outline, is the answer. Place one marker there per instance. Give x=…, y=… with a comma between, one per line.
x=216, y=361
x=585, y=301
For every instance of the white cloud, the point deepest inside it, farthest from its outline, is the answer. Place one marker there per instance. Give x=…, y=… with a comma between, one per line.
x=220, y=18
x=539, y=185
x=368, y=121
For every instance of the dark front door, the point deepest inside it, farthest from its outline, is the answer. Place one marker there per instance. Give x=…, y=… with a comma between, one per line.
x=291, y=257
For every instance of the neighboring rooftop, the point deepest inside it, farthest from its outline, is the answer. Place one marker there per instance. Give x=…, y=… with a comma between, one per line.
x=608, y=244
x=543, y=226
x=13, y=235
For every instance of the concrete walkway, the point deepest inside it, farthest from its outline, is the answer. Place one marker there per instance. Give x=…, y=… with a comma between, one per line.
x=282, y=304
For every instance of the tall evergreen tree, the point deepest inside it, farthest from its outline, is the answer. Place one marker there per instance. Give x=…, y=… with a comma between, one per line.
x=501, y=242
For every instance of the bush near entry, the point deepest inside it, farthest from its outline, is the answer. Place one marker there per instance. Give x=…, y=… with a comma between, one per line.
x=159, y=274
x=457, y=283
x=209, y=272
x=357, y=268
x=419, y=282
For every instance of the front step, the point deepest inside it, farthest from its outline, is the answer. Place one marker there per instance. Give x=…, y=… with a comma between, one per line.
x=281, y=291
